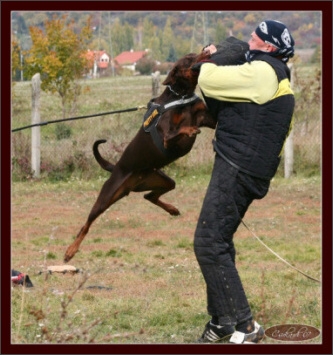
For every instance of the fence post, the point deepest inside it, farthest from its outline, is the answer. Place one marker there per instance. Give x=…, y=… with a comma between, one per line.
x=289, y=144
x=35, y=131
x=156, y=83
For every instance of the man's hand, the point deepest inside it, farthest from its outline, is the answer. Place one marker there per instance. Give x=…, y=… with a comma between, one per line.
x=210, y=48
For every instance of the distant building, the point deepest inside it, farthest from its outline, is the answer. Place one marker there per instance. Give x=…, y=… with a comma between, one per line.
x=99, y=62
x=129, y=59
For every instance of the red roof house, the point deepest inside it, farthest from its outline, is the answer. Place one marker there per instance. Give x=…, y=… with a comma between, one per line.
x=101, y=58
x=130, y=58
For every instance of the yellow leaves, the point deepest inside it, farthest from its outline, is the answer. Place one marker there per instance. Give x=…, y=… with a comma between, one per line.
x=57, y=50
x=52, y=64
x=58, y=55
x=251, y=18
x=16, y=65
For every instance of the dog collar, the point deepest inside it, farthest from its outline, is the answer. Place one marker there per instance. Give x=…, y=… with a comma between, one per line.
x=181, y=102
x=155, y=110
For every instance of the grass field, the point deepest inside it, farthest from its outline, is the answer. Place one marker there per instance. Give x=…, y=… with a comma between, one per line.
x=139, y=281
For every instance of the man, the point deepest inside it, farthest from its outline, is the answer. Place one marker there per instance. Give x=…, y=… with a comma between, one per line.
x=253, y=104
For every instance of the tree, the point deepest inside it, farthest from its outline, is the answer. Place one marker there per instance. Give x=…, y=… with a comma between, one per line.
x=122, y=37
x=151, y=39
x=58, y=54
x=220, y=32
x=148, y=33
x=172, y=54
x=167, y=42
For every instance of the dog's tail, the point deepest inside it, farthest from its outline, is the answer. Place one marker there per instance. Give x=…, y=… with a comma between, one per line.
x=100, y=160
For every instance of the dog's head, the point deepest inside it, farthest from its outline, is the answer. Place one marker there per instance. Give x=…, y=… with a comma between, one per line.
x=181, y=77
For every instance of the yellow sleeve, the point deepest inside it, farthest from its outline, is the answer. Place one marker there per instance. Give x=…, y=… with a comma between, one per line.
x=249, y=82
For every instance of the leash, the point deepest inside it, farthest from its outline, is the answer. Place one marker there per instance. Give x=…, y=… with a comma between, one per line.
x=278, y=256
x=77, y=118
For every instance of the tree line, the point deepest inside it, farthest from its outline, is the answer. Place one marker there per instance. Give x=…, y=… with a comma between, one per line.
x=54, y=43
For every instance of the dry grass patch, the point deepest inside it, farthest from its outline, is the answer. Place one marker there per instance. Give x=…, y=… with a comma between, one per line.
x=140, y=282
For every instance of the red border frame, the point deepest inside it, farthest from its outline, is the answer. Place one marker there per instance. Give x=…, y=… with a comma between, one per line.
x=326, y=8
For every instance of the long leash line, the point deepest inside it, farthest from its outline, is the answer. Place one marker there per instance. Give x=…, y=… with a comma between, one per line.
x=169, y=105
x=77, y=118
x=278, y=256
x=182, y=101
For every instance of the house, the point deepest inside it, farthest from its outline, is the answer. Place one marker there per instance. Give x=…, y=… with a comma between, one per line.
x=130, y=58
x=99, y=61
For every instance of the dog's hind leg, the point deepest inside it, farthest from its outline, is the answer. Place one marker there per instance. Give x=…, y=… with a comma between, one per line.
x=113, y=190
x=159, y=184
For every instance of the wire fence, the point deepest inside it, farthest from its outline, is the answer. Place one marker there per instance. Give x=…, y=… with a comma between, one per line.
x=66, y=147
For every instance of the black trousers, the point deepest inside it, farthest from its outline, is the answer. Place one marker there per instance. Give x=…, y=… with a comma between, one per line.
x=229, y=194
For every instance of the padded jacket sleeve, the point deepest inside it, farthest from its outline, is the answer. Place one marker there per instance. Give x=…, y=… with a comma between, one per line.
x=250, y=82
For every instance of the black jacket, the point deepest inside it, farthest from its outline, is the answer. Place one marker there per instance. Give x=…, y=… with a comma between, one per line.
x=251, y=136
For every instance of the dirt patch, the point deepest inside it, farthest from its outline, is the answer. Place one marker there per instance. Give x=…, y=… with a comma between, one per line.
x=141, y=260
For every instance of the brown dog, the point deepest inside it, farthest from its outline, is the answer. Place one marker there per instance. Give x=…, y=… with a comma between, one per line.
x=168, y=132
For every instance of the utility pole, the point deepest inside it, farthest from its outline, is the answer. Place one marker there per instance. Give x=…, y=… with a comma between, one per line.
x=111, y=54
x=199, y=33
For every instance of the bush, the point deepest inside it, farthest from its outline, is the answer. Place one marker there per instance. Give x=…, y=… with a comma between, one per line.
x=21, y=157
x=62, y=131
x=145, y=65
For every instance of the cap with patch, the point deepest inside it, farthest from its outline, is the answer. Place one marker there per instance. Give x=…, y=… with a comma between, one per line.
x=278, y=35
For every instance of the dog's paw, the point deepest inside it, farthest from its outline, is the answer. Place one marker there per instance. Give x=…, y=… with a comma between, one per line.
x=69, y=255
x=194, y=132
x=67, y=258
x=173, y=210
x=175, y=213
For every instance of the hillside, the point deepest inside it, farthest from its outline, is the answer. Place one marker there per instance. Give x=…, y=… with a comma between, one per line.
x=118, y=31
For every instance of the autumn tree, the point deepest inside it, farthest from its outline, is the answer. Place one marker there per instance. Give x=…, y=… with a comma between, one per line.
x=58, y=54
x=16, y=60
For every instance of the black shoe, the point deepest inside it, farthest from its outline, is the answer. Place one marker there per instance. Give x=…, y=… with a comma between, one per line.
x=251, y=338
x=216, y=333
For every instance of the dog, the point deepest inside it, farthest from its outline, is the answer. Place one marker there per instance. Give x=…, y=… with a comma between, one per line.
x=169, y=130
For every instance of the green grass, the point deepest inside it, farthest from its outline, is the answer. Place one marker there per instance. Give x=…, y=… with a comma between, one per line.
x=149, y=286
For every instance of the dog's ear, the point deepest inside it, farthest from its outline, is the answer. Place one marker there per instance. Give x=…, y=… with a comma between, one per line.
x=185, y=62
x=170, y=79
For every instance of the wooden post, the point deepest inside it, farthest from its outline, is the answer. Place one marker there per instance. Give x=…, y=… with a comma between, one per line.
x=289, y=155
x=156, y=83
x=289, y=144
x=35, y=131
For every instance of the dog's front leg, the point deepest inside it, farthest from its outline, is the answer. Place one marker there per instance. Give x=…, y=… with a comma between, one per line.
x=203, y=116
x=171, y=138
x=205, y=119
